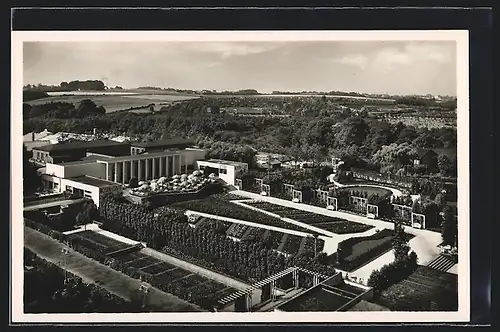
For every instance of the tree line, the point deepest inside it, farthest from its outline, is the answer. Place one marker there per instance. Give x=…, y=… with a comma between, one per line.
x=365, y=142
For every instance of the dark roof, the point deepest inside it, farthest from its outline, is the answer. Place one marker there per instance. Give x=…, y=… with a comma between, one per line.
x=164, y=143
x=94, y=181
x=79, y=145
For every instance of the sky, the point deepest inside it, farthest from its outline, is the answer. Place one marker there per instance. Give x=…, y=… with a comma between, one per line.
x=392, y=67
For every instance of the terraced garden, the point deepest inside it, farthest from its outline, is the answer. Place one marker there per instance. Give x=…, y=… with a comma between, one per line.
x=225, y=208
x=167, y=277
x=332, y=224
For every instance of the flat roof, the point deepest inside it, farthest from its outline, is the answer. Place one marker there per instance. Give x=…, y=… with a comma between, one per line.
x=171, y=142
x=74, y=163
x=139, y=156
x=79, y=145
x=93, y=181
x=226, y=162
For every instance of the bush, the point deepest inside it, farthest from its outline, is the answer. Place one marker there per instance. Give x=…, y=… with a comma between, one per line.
x=393, y=272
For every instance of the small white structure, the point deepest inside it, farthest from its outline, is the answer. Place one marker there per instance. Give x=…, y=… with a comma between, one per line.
x=228, y=170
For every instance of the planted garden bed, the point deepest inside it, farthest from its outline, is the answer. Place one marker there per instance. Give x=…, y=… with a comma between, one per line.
x=344, y=227
x=212, y=205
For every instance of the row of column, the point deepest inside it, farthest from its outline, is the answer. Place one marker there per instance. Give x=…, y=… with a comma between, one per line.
x=144, y=169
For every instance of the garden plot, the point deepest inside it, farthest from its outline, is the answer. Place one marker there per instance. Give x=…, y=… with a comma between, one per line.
x=332, y=224
x=223, y=208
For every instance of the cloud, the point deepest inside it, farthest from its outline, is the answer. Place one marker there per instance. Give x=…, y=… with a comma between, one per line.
x=357, y=60
x=227, y=50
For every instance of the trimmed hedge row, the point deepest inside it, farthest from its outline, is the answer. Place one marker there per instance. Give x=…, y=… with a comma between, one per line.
x=348, y=262
x=45, y=229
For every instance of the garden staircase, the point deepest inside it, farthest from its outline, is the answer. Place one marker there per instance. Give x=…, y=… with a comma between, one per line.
x=442, y=263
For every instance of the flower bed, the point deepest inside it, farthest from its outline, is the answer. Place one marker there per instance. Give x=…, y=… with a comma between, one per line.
x=332, y=224
x=344, y=227
x=109, y=243
x=169, y=275
x=158, y=268
x=227, y=209
x=143, y=262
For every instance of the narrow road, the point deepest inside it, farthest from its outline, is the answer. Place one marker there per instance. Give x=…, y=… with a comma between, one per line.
x=52, y=204
x=93, y=272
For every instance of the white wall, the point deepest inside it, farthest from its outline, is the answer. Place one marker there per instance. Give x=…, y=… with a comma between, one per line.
x=54, y=170
x=228, y=177
x=97, y=170
x=93, y=190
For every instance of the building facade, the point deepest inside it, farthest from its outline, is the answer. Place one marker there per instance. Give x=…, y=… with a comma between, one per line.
x=227, y=170
x=90, y=175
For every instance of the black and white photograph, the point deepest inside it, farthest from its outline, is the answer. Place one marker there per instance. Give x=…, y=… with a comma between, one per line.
x=240, y=176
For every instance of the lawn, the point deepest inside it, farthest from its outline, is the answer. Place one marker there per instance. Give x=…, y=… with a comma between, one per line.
x=424, y=290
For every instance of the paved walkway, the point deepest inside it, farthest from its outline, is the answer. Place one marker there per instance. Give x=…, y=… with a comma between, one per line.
x=93, y=272
x=52, y=204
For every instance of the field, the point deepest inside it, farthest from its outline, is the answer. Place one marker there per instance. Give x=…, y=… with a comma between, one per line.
x=113, y=103
x=426, y=289
x=332, y=224
x=185, y=284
